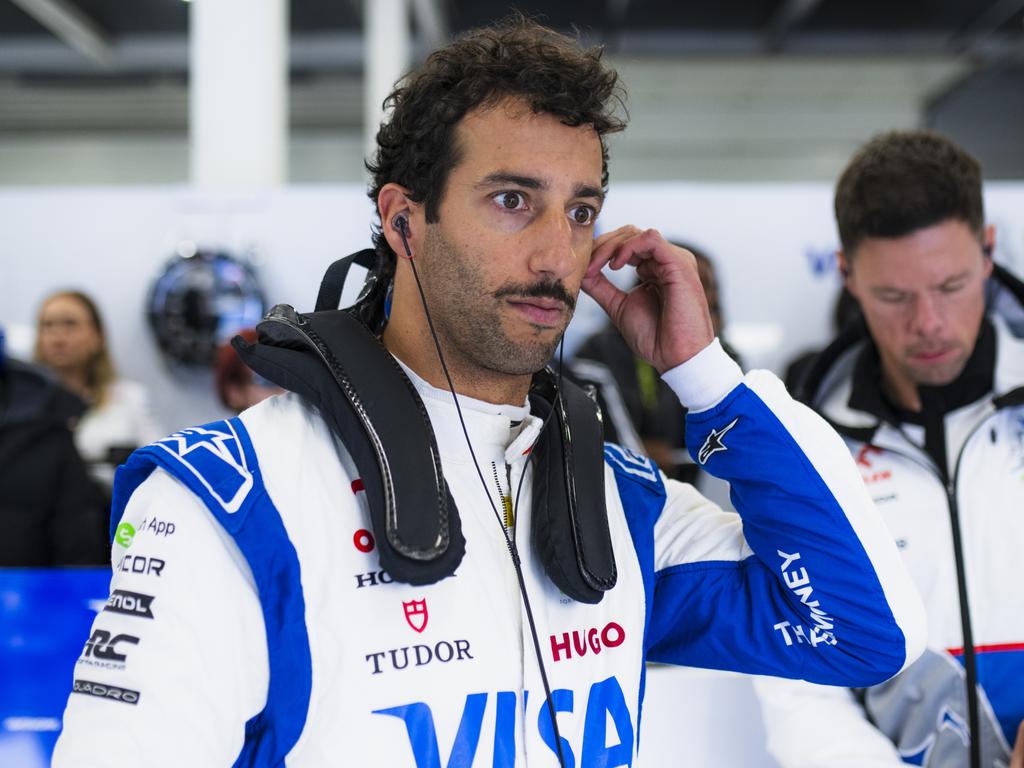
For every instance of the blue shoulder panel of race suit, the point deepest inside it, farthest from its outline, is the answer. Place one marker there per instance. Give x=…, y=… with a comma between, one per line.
x=218, y=464
x=771, y=613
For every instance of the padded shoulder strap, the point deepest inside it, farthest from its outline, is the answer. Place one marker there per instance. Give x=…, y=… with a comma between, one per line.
x=336, y=364
x=570, y=515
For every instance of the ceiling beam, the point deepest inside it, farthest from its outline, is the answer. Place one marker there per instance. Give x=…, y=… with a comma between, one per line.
x=432, y=23
x=789, y=14
x=68, y=23
x=987, y=22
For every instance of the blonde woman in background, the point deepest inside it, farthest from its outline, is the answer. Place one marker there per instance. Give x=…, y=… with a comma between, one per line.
x=71, y=342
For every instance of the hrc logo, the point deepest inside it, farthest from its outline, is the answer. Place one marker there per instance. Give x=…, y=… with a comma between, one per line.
x=213, y=452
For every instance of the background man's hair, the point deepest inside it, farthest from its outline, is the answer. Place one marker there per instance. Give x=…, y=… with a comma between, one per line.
x=552, y=73
x=903, y=181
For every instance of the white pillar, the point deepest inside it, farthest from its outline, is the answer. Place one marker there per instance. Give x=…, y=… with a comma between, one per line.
x=387, y=43
x=238, y=93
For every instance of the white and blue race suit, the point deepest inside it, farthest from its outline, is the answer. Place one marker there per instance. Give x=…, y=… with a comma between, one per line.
x=250, y=623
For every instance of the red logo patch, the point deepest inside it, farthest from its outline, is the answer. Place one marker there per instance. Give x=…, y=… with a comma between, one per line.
x=357, y=485
x=862, y=455
x=416, y=614
x=363, y=540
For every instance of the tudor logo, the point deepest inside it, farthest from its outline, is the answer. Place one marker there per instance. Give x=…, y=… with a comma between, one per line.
x=713, y=444
x=416, y=614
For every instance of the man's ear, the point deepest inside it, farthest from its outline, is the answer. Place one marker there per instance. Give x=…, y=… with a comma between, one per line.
x=843, y=263
x=988, y=239
x=393, y=202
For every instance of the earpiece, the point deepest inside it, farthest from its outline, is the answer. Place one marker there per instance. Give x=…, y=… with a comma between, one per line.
x=401, y=223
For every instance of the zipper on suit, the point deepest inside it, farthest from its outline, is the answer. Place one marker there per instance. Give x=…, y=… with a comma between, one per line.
x=507, y=512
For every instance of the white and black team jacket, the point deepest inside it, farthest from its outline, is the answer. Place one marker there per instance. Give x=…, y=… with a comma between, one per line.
x=921, y=717
x=249, y=621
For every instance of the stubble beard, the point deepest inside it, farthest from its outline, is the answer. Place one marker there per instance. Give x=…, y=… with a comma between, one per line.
x=468, y=317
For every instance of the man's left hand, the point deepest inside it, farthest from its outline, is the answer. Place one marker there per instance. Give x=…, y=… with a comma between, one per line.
x=1017, y=760
x=664, y=318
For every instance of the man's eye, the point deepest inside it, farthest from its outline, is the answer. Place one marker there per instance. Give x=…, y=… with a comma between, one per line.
x=951, y=287
x=583, y=214
x=892, y=298
x=512, y=201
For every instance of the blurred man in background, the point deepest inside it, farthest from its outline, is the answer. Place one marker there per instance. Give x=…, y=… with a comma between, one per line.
x=238, y=387
x=930, y=399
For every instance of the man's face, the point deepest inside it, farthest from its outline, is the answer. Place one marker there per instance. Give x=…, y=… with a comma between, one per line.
x=923, y=300
x=502, y=267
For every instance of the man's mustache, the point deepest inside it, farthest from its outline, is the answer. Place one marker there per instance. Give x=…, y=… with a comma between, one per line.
x=555, y=290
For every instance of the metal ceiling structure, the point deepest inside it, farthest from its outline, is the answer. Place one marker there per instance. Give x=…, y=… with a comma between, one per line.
x=74, y=66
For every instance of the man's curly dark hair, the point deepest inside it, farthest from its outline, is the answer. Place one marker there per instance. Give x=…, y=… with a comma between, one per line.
x=516, y=57
x=903, y=181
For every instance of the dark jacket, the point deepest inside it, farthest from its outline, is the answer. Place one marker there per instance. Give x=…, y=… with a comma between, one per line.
x=50, y=511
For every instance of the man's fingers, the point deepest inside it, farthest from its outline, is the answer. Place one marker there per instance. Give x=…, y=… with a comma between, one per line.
x=606, y=246
x=604, y=292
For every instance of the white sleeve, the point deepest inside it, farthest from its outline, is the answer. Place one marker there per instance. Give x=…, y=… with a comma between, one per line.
x=820, y=726
x=176, y=663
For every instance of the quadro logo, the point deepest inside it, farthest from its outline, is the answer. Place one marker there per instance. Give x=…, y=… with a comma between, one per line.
x=213, y=452
x=109, y=692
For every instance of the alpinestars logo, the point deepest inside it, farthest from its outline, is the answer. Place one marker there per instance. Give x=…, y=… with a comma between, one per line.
x=416, y=614
x=713, y=444
x=213, y=451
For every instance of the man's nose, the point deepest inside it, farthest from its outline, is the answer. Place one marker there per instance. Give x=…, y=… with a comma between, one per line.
x=927, y=317
x=553, y=254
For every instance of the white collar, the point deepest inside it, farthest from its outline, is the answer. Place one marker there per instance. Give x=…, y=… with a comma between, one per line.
x=499, y=433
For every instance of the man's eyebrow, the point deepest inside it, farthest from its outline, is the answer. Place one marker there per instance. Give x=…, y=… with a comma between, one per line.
x=505, y=177
x=585, y=190
x=955, y=278
x=530, y=182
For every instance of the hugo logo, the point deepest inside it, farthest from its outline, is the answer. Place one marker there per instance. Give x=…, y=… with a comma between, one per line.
x=593, y=639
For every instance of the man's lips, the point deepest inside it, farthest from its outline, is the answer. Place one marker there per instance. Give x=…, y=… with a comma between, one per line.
x=539, y=311
x=931, y=355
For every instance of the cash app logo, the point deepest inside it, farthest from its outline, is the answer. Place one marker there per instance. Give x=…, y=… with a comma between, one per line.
x=124, y=535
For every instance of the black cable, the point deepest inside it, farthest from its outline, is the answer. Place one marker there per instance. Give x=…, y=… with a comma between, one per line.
x=970, y=659
x=509, y=542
